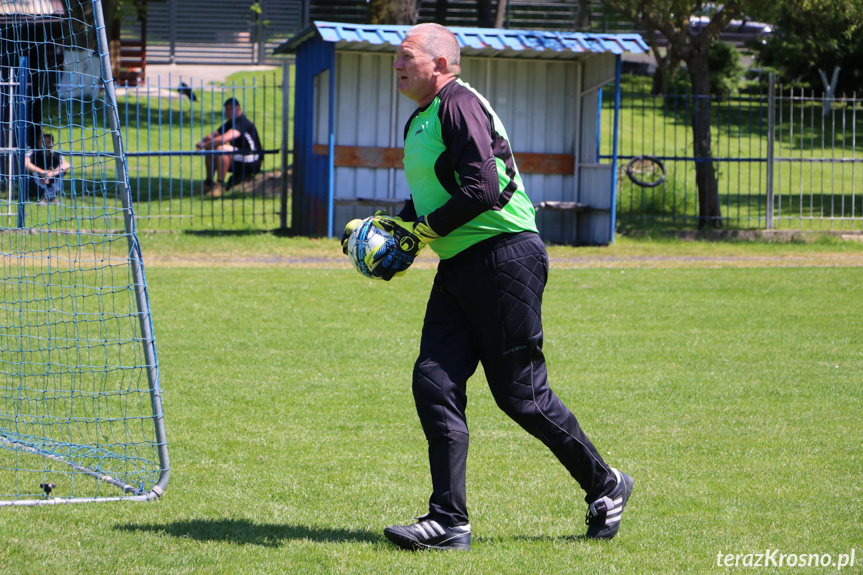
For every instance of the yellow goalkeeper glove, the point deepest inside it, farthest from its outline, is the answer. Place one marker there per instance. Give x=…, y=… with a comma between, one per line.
x=398, y=253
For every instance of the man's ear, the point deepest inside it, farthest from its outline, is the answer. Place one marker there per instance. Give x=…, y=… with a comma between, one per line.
x=440, y=64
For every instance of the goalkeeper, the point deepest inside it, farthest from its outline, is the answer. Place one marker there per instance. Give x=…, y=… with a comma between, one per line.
x=469, y=204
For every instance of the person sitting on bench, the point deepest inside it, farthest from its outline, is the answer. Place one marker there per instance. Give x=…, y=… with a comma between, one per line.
x=238, y=135
x=46, y=169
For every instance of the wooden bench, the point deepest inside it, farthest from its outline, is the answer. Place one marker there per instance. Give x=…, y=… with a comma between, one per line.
x=133, y=63
x=562, y=206
x=385, y=202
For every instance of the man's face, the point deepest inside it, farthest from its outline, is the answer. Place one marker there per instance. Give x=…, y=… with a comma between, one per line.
x=231, y=111
x=416, y=71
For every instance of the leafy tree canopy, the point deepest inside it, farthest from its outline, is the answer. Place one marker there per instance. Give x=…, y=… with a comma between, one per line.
x=813, y=35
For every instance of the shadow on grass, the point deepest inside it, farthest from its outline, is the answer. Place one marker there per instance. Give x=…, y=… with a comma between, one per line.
x=243, y=532
x=277, y=232
x=556, y=539
x=229, y=233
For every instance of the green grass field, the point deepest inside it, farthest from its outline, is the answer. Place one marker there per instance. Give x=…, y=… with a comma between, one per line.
x=724, y=377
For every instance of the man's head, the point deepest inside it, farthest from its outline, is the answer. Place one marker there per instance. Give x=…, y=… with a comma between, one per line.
x=232, y=108
x=47, y=141
x=426, y=60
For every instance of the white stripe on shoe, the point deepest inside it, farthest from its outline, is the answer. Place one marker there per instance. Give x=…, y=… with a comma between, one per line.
x=604, y=514
x=430, y=528
x=429, y=534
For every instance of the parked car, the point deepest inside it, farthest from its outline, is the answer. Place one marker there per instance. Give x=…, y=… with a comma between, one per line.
x=737, y=31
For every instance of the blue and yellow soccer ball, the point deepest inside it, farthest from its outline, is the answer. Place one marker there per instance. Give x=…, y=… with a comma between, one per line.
x=364, y=240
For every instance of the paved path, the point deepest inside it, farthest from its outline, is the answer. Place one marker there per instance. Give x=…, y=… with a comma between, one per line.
x=163, y=79
x=171, y=74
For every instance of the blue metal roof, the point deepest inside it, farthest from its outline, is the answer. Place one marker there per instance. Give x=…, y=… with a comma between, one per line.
x=473, y=41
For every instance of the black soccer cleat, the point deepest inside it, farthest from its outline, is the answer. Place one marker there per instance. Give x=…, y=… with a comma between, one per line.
x=604, y=514
x=429, y=534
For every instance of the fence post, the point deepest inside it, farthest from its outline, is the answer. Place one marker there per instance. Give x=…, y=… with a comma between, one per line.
x=172, y=30
x=21, y=134
x=286, y=110
x=771, y=135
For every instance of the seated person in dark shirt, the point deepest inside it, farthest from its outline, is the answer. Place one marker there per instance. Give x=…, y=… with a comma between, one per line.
x=238, y=135
x=46, y=169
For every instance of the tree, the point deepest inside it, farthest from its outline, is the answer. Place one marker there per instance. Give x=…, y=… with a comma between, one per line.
x=582, y=20
x=81, y=12
x=671, y=19
x=667, y=63
x=813, y=36
x=404, y=12
x=489, y=13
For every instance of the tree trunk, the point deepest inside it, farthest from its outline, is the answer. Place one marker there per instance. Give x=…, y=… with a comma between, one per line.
x=441, y=9
x=666, y=65
x=500, y=17
x=666, y=69
x=709, y=215
x=402, y=12
x=485, y=13
x=582, y=21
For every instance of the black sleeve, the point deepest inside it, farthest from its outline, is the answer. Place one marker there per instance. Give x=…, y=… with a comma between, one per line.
x=408, y=212
x=467, y=135
x=226, y=127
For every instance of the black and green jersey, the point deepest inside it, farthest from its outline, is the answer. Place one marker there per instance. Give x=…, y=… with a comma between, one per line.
x=461, y=172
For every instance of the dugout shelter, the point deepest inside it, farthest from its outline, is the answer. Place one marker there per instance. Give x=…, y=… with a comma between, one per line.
x=545, y=86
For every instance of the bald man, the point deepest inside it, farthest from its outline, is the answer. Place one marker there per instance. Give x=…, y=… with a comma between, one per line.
x=469, y=204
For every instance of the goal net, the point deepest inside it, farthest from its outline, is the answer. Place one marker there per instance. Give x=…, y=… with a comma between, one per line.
x=80, y=402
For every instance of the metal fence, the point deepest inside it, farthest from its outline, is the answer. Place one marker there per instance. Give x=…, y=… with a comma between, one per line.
x=161, y=123
x=785, y=158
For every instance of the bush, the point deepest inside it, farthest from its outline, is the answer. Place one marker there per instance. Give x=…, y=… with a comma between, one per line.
x=726, y=72
x=725, y=69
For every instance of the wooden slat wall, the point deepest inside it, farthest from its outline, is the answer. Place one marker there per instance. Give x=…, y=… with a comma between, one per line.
x=374, y=157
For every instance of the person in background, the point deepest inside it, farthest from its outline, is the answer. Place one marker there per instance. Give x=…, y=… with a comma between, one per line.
x=237, y=135
x=46, y=168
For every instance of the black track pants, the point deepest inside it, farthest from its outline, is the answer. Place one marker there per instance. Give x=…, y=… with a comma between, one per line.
x=485, y=307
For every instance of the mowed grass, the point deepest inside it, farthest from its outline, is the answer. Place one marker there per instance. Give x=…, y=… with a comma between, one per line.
x=727, y=386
